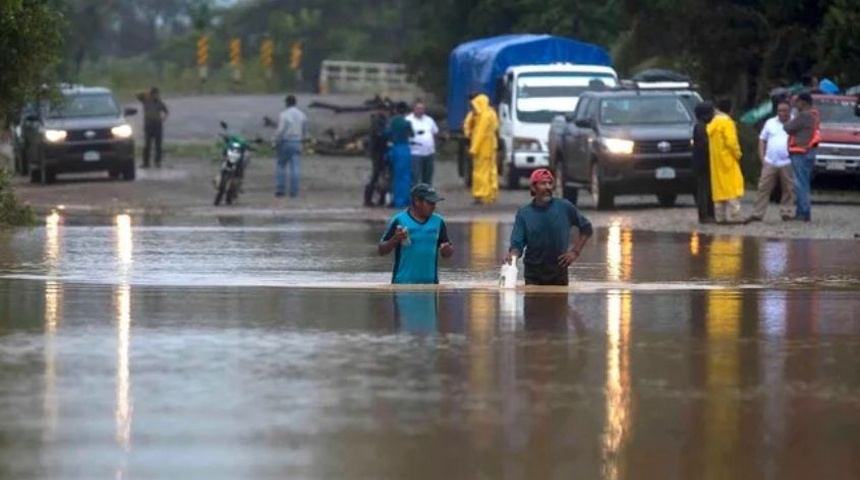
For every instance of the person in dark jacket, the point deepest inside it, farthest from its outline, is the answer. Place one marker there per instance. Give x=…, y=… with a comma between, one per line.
x=378, y=147
x=701, y=162
x=542, y=230
x=154, y=114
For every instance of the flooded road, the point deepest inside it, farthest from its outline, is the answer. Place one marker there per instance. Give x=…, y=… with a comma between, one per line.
x=135, y=347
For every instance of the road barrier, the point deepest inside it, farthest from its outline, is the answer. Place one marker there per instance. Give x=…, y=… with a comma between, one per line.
x=341, y=76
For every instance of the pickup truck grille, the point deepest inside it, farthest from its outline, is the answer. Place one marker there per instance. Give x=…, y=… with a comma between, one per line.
x=683, y=163
x=81, y=135
x=675, y=146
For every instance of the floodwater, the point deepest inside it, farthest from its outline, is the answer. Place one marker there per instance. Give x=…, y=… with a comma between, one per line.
x=156, y=348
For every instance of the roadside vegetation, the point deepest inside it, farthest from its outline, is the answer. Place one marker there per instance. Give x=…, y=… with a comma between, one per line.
x=12, y=212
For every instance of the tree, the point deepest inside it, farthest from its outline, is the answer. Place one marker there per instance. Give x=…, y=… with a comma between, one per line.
x=30, y=46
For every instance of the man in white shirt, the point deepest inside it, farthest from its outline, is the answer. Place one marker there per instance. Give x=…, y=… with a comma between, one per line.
x=288, y=141
x=422, y=146
x=776, y=166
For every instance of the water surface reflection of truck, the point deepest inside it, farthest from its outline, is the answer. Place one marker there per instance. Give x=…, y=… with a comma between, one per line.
x=530, y=79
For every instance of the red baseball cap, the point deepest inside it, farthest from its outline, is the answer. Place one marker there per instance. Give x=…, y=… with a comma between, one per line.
x=539, y=175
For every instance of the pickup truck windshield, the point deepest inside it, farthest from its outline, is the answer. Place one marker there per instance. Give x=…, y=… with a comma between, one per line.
x=543, y=96
x=836, y=111
x=644, y=110
x=85, y=105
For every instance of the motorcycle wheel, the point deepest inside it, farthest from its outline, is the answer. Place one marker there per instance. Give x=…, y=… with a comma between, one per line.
x=222, y=187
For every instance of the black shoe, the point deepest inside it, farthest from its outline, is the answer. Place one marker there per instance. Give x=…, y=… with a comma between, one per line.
x=753, y=218
x=280, y=194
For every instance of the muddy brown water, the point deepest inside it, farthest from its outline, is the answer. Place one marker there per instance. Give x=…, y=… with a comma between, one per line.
x=149, y=347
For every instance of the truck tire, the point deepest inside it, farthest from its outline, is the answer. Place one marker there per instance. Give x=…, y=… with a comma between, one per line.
x=667, y=199
x=509, y=177
x=600, y=193
x=562, y=190
x=129, y=171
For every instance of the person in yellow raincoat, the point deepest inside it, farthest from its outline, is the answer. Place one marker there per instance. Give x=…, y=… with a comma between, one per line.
x=482, y=147
x=727, y=181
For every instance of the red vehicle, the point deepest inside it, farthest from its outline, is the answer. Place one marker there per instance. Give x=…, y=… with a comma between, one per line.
x=839, y=150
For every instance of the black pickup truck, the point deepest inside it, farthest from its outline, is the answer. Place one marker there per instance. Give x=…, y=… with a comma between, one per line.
x=626, y=141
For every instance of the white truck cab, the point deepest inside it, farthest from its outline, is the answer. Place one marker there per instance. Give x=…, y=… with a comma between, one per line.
x=530, y=96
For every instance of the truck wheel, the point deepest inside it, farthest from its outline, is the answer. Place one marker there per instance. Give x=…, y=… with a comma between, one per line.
x=562, y=190
x=666, y=199
x=511, y=176
x=600, y=193
x=35, y=176
x=129, y=171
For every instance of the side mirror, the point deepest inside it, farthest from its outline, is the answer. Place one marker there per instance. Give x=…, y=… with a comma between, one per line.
x=568, y=117
x=585, y=123
x=129, y=111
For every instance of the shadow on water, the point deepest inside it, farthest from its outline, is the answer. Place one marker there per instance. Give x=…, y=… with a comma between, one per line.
x=161, y=351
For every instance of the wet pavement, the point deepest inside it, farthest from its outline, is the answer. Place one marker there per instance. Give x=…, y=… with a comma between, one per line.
x=150, y=347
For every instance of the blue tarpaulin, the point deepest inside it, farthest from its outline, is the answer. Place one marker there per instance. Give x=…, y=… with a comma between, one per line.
x=475, y=66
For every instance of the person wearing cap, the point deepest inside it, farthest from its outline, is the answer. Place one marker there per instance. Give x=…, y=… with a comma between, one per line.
x=288, y=142
x=803, y=136
x=417, y=236
x=542, y=230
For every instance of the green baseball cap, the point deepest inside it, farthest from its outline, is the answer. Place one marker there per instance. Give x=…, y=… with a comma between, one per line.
x=427, y=193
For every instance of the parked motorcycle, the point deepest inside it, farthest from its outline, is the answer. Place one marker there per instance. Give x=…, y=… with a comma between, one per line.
x=234, y=160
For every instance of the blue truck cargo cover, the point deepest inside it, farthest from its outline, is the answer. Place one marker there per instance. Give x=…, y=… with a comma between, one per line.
x=474, y=67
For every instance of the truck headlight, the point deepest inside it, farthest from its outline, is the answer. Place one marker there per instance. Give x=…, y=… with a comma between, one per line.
x=527, y=144
x=618, y=146
x=55, y=135
x=121, y=131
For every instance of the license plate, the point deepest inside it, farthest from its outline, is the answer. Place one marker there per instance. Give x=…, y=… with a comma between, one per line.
x=837, y=165
x=665, y=173
x=91, y=156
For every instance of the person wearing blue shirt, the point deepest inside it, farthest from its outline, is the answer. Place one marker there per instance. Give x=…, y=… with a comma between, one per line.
x=542, y=229
x=417, y=236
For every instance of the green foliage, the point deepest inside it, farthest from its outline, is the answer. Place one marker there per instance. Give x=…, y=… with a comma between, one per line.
x=30, y=40
x=12, y=212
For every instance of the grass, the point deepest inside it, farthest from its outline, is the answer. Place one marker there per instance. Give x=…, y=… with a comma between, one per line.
x=13, y=213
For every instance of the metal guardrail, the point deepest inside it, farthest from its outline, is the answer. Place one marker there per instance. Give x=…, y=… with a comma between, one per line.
x=342, y=76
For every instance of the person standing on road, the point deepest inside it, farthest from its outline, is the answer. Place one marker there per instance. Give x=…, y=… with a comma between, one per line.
x=803, y=136
x=289, y=143
x=775, y=166
x=399, y=133
x=542, y=229
x=483, y=142
x=702, y=163
x=418, y=236
x=377, y=147
x=727, y=181
x=154, y=114
x=422, y=147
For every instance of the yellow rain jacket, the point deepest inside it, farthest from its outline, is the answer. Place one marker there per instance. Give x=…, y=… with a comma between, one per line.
x=482, y=148
x=727, y=181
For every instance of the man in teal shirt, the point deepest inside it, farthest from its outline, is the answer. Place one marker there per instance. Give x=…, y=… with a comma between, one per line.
x=542, y=229
x=417, y=236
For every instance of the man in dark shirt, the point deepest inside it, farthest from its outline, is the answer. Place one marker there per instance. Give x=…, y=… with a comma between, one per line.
x=702, y=162
x=543, y=230
x=154, y=114
x=377, y=146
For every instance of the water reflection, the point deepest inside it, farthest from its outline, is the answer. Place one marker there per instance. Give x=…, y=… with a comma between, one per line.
x=619, y=252
x=617, y=429
x=122, y=296
x=417, y=312
x=53, y=318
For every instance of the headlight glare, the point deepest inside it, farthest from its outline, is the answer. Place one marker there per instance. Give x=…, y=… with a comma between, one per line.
x=618, y=146
x=121, y=131
x=55, y=135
